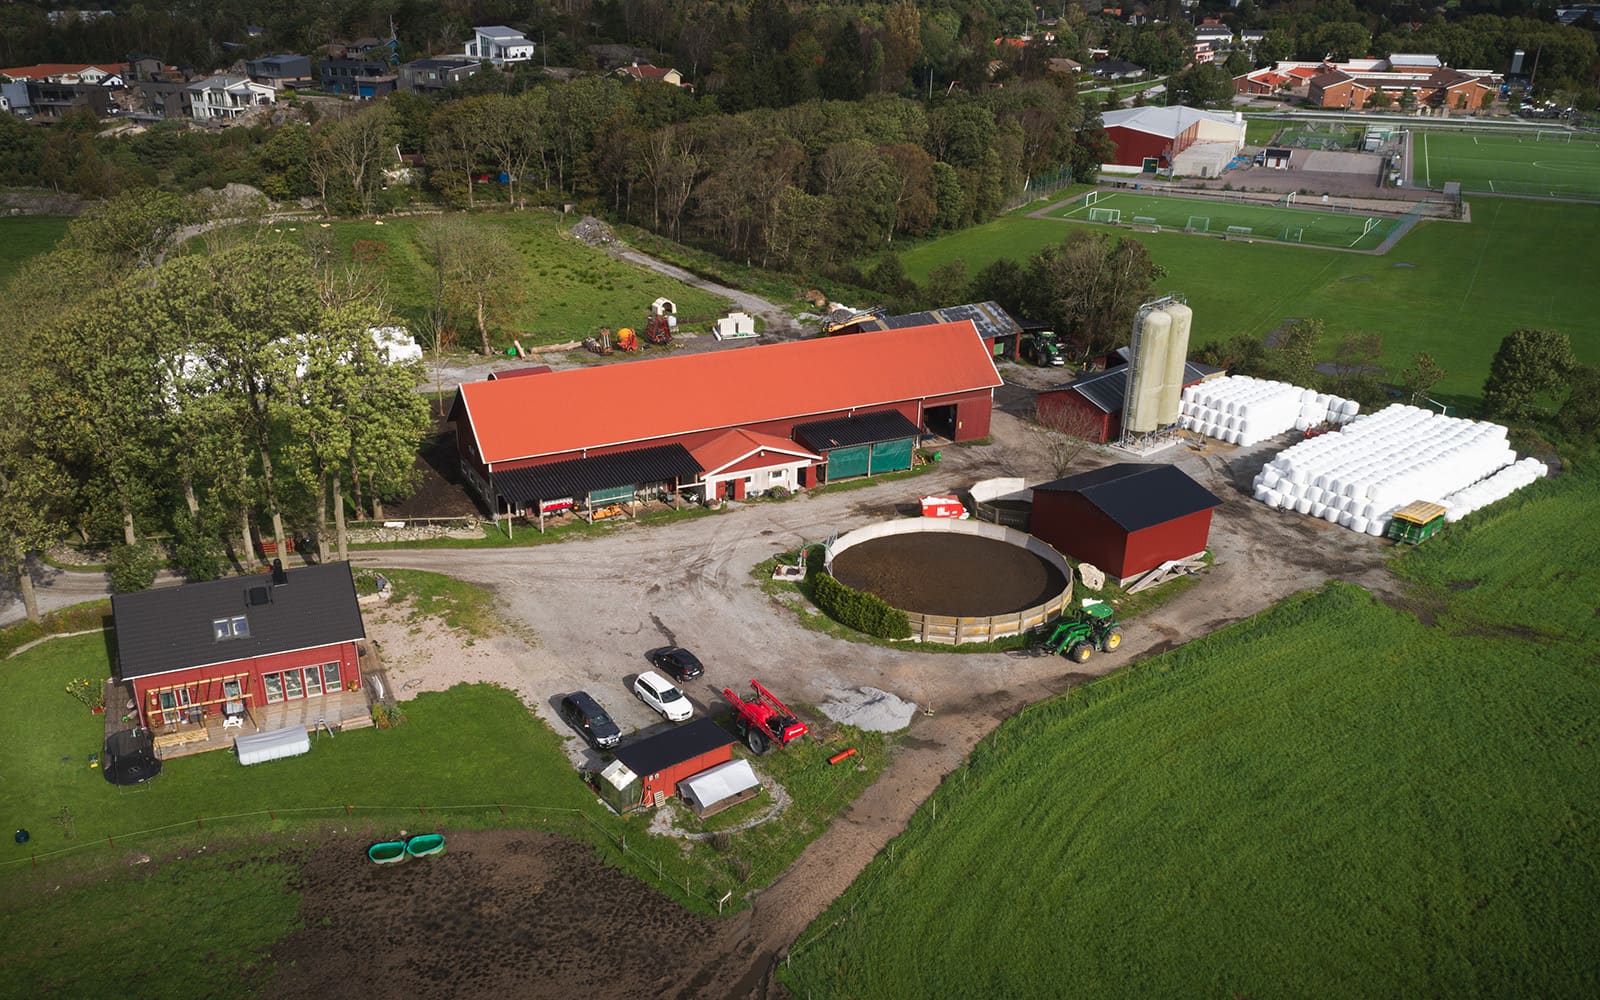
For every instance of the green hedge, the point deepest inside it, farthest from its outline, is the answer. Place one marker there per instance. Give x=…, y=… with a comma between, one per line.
x=862, y=612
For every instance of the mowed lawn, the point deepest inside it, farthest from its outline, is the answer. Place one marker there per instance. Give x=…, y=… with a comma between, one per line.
x=1335, y=798
x=1284, y=222
x=561, y=289
x=24, y=236
x=1452, y=289
x=1568, y=167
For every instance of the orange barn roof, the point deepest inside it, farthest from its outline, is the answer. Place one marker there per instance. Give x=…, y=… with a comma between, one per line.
x=632, y=401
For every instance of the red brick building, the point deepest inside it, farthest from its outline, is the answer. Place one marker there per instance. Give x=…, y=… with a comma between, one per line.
x=1126, y=518
x=787, y=415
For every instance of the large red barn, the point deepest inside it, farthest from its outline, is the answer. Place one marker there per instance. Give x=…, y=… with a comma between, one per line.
x=1125, y=518
x=248, y=653
x=618, y=431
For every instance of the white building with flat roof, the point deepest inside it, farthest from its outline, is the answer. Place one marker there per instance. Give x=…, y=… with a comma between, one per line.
x=499, y=44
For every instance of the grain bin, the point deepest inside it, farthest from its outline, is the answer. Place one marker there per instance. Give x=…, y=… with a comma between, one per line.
x=1177, y=357
x=1141, y=411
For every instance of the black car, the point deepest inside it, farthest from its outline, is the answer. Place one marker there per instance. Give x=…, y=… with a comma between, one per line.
x=677, y=662
x=587, y=717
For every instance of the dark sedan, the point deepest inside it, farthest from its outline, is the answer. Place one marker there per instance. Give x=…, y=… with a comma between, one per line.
x=677, y=662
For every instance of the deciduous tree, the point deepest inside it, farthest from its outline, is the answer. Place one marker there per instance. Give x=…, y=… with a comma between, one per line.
x=1528, y=364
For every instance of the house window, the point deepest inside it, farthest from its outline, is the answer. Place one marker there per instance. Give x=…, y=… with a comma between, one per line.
x=291, y=685
x=313, y=682
x=231, y=689
x=274, y=685
x=330, y=677
x=174, y=704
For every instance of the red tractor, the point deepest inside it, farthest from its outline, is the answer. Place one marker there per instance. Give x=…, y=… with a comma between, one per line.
x=763, y=720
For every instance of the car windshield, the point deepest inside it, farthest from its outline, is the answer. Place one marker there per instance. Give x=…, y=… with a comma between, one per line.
x=599, y=719
x=670, y=694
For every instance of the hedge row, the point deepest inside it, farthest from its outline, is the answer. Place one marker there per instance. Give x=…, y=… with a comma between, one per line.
x=863, y=612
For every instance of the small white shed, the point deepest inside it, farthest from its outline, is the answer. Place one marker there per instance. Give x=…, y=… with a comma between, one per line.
x=717, y=788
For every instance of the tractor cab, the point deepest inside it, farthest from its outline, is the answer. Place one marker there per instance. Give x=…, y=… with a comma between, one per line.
x=1095, y=626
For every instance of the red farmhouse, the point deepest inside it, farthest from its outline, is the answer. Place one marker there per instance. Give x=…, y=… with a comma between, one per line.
x=651, y=768
x=268, y=651
x=1125, y=518
x=729, y=422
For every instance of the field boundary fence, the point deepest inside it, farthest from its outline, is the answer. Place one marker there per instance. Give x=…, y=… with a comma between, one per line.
x=1039, y=186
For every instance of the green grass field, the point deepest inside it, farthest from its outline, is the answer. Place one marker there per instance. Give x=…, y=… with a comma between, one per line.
x=1510, y=164
x=1448, y=288
x=24, y=236
x=564, y=289
x=1335, y=798
x=1209, y=215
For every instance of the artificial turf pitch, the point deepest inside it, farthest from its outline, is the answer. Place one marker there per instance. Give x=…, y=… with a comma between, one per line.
x=1553, y=165
x=1318, y=227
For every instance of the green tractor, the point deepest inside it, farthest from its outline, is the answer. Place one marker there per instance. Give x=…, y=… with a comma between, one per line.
x=1095, y=626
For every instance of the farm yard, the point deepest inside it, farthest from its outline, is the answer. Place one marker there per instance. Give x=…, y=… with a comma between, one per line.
x=1553, y=164
x=1452, y=289
x=1310, y=225
x=1340, y=795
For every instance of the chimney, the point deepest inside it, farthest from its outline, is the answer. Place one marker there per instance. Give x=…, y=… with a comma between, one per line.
x=279, y=577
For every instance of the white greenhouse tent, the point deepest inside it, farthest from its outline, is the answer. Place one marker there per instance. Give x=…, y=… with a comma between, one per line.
x=272, y=744
x=717, y=788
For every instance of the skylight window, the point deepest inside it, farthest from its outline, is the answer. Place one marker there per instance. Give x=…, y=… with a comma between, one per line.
x=237, y=627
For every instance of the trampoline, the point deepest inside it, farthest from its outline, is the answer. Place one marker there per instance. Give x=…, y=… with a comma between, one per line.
x=130, y=757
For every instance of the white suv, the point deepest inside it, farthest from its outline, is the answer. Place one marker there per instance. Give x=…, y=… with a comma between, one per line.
x=663, y=696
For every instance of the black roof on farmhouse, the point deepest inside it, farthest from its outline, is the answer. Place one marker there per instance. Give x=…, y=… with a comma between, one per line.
x=175, y=628
x=1136, y=495
x=848, y=432
x=578, y=477
x=673, y=747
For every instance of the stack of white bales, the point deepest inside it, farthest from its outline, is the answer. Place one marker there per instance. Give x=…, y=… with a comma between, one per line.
x=1358, y=477
x=1497, y=487
x=1242, y=410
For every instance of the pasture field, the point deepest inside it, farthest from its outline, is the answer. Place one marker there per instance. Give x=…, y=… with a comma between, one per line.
x=1287, y=222
x=1334, y=798
x=24, y=236
x=563, y=289
x=1452, y=289
x=1553, y=164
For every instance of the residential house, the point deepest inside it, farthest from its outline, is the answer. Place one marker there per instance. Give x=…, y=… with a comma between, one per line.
x=97, y=75
x=1203, y=53
x=281, y=72
x=241, y=654
x=1116, y=69
x=431, y=76
x=499, y=44
x=1218, y=35
x=646, y=73
x=222, y=97
x=164, y=98
x=1262, y=82
x=341, y=76
x=14, y=97
x=1063, y=65
x=51, y=100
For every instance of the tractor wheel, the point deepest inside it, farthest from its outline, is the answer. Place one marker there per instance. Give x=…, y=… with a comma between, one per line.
x=756, y=740
x=1080, y=652
x=1112, y=640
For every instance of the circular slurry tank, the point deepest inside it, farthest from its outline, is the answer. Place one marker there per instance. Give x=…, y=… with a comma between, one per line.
x=928, y=566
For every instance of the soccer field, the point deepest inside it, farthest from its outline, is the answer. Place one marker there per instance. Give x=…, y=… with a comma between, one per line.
x=1205, y=215
x=1553, y=164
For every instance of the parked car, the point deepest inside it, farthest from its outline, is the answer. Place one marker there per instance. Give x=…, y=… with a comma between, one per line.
x=585, y=715
x=663, y=696
x=676, y=662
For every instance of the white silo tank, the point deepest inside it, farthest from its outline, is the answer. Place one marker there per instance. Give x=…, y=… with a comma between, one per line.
x=1176, y=356
x=1141, y=409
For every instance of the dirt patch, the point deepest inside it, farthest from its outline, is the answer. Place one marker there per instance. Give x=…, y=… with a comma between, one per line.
x=425, y=654
x=440, y=490
x=508, y=912
x=940, y=574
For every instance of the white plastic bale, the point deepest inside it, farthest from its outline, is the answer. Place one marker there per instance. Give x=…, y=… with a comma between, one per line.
x=1346, y=519
x=1358, y=523
x=1376, y=526
x=1331, y=515
x=1303, y=505
x=1271, y=498
x=1261, y=492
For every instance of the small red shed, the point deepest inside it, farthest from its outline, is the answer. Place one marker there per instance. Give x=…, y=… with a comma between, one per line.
x=1125, y=518
x=1090, y=406
x=659, y=762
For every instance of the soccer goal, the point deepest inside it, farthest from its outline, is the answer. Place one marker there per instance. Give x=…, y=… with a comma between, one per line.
x=1113, y=215
x=1552, y=137
x=1370, y=225
x=1198, y=224
x=1294, y=234
x=1288, y=199
x=1090, y=198
x=1240, y=231
x=1146, y=220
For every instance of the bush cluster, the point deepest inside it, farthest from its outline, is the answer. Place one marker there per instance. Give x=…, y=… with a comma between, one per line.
x=863, y=612
x=134, y=567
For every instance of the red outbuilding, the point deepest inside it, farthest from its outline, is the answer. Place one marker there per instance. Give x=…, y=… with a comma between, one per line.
x=1125, y=518
x=1090, y=407
x=206, y=661
x=650, y=769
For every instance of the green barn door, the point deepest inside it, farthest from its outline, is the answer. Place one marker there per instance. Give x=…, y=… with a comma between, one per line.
x=844, y=463
x=891, y=456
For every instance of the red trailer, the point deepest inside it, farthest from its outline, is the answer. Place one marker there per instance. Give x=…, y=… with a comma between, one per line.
x=763, y=720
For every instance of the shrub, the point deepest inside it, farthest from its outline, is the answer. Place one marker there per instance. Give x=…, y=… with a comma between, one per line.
x=133, y=567
x=196, y=553
x=863, y=612
x=779, y=493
